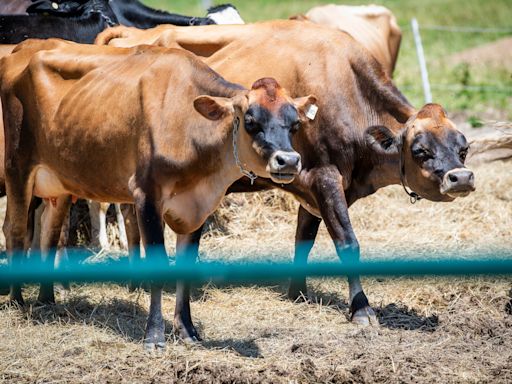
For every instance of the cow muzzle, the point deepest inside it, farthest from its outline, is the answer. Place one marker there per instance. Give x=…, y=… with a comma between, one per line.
x=458, y=182
x=284, y=166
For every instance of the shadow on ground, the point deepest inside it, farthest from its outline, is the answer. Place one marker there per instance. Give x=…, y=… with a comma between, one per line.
x=397, y=316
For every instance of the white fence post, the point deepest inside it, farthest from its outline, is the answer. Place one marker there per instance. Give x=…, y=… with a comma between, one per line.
x=421, y=59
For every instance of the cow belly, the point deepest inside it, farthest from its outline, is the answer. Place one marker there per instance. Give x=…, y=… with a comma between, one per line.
x=47, y=184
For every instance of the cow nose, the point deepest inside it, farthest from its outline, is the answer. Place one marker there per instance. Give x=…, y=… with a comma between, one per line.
x=458, y=182
x=284, y=162
x=283, y=166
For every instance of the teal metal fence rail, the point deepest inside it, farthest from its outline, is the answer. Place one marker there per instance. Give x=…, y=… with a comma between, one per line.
x=33, y=271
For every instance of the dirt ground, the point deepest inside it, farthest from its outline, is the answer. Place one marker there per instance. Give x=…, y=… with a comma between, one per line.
x=496, y=54
x=449, y=330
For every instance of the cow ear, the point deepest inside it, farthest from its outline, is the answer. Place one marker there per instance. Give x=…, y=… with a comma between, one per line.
x=382, y=139
x=306, y=106
x=213, y=108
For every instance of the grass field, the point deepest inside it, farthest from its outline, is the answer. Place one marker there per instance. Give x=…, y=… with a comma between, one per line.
x=438, y=46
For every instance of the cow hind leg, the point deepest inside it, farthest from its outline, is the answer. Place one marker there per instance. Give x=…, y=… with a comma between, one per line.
x=187, y=249
x=123, y=237
x=98, y=214
x=52, y=221
x=307, y=229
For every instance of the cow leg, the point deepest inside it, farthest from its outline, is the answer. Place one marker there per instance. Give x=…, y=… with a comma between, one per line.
x=34, y=223
x=328, y=187
x=19, y=195
x=133, y=239
x=307, y=229
x=151, y=230
x=123, y=238
x=98, y=214
x=62, y=257
x=52, y=221
x=187, y=250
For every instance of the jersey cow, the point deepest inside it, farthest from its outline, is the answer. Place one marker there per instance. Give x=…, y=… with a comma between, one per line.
x=366, y=135
x=374, y=26
x=66, y=135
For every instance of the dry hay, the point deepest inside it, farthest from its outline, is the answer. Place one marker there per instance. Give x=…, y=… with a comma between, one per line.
x=432, y=330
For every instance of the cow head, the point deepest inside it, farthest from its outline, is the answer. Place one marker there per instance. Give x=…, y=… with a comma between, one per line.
x=267, y=118
x=432, y=154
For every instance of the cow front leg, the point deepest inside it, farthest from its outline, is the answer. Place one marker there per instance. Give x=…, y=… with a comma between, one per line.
x=328, y=188
x=151, y=230
x=52, y=221
x=307, y=229
x=187, y=251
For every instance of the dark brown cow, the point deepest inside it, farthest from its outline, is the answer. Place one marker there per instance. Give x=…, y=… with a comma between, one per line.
x=119, y=125
x=366, y=135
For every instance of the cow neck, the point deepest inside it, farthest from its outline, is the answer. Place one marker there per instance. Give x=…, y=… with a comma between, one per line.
x=236, y=128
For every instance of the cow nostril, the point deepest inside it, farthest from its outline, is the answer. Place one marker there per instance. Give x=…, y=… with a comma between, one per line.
x=453, y=178
x=280, y=161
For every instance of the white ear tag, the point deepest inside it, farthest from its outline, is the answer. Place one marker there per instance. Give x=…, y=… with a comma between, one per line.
x=311, y=112
x=55, y=5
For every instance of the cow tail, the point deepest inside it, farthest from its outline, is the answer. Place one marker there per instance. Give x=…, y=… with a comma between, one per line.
x=110, y=34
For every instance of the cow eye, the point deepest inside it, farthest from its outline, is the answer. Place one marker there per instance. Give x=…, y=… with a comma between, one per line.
x=463, y=153
x=295, y=127
x=422, y=153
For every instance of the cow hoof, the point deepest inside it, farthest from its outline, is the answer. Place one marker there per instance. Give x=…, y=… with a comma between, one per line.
x=297, y=291
x=154, y=347
x=46, y=299
x=186, y=333
x=365, y=317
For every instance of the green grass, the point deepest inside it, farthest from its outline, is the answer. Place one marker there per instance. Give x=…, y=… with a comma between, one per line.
x=437, y=45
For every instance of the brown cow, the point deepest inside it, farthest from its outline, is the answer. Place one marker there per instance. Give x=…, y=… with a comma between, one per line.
x=119, y=125
x=366, y=135
x=373, y=26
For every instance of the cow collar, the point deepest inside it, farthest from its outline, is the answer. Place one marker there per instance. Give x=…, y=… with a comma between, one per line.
x=413, y=196
x=250, y=174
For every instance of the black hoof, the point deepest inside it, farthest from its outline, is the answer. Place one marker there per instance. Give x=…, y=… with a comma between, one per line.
x=46, y=295
x=16, y=297
x=186, y=332
x=297, y=291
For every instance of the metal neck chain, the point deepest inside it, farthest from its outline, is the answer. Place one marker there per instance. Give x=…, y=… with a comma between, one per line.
x=413, y=196
x=250, y=174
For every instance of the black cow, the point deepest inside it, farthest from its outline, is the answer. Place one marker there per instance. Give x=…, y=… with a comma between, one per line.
x=78, y=21
x=82, y=20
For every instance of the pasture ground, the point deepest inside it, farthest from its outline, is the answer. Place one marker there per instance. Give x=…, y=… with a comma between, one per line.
x=432, y=329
